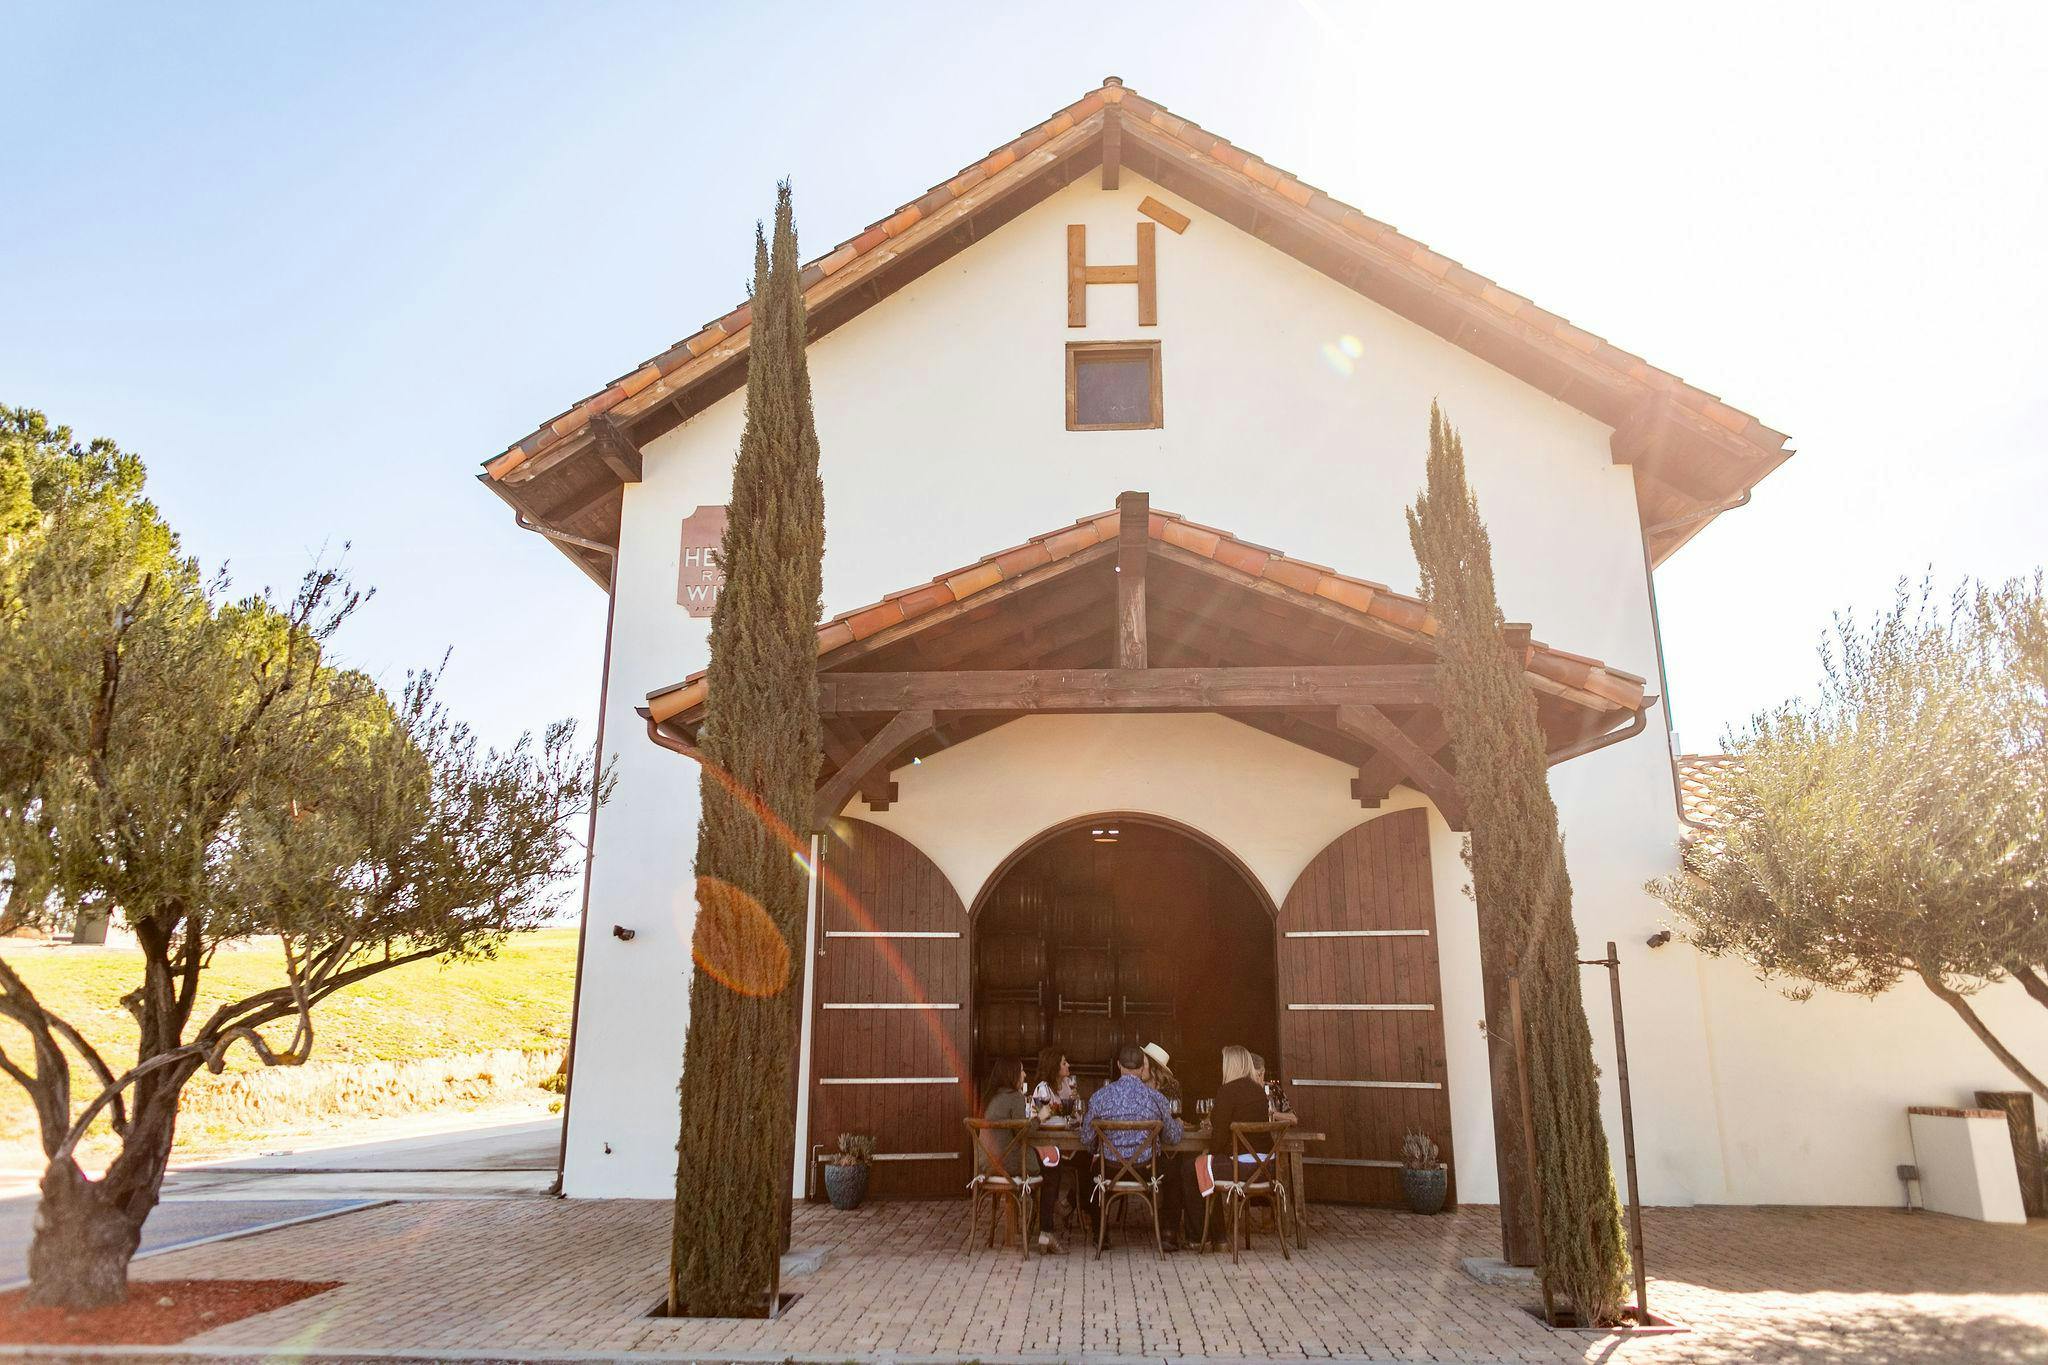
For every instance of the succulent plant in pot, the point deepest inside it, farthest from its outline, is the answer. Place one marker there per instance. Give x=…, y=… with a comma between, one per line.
x=1424, y=1179
x=846, y=1175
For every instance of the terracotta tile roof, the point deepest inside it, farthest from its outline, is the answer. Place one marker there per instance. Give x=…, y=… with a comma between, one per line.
x=1570, y=677
x=1699, y=781
x=1379, y=245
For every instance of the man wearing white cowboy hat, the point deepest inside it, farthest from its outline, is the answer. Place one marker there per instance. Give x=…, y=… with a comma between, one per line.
x=1158, y=1075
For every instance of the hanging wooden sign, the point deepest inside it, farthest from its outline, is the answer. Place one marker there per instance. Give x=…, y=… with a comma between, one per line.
x=699, y=575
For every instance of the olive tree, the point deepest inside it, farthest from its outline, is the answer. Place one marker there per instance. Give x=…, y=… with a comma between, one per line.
x=199, y=768
x=1897, y=826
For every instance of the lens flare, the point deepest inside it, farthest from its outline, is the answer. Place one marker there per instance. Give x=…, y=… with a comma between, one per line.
x=735, y=941
x=729, y=923
x=1343, y=354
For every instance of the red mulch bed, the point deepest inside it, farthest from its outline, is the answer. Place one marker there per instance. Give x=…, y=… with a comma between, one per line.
x=194, y=1306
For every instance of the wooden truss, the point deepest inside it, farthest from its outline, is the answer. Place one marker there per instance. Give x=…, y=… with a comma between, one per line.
x=1137, y=625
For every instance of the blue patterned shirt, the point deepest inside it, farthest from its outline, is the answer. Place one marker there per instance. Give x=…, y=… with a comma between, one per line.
x=1128, y=1099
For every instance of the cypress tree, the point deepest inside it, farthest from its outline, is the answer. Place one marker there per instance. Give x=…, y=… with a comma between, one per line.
x=1522, y=890
x=760, y=745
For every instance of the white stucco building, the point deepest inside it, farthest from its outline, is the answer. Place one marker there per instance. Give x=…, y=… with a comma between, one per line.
x=1120, y=301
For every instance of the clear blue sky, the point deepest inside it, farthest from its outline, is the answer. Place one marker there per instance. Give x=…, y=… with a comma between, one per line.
x=314, y=263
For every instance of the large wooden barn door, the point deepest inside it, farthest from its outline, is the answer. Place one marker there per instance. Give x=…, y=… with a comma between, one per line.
x=889, y=1032
x=1361, y=1023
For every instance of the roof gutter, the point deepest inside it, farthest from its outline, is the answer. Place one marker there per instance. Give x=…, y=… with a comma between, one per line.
x=1599, y=742
x=663, y=738
x=563, y=537
x=1690, y=517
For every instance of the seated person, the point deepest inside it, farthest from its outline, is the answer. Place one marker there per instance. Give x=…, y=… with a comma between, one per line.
x=1240, y=1099
x=1055, y=1101
x=1054, y=1096
x=1002, y=1100
x=1158, y=1076
x=1129, y=1099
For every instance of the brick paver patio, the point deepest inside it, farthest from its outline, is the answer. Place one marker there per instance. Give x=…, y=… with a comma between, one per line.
x=527, y=1276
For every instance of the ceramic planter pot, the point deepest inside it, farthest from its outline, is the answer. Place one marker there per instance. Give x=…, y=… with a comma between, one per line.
x=1424, y=1189
x=846, y=1186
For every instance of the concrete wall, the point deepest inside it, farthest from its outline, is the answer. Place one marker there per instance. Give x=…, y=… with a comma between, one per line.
x=1296, y=415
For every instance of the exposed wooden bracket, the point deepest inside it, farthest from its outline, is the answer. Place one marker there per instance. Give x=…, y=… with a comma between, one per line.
x=842, y=743
x=1378, y=775
x=1645, y=435
x=902, y=728
x=615, y=448
x=1372, y=725
x=1133, y=548
x=1112, y=146
x=1654, y=438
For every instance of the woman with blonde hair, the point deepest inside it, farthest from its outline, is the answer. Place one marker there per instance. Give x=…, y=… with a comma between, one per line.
x=1240, y=1099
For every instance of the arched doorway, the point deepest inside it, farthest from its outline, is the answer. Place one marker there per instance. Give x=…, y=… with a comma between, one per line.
x=1123, y=928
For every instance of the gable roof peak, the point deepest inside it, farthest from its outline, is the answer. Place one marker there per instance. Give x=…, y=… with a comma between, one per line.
x=1693, y=454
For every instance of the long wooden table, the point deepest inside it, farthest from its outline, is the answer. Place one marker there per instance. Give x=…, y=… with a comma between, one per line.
x=1292, y=1144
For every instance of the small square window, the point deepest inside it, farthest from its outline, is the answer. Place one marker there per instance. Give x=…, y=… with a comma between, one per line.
x=1113, y=386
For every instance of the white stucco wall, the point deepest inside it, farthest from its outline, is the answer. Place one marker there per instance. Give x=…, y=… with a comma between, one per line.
x=1296, y=416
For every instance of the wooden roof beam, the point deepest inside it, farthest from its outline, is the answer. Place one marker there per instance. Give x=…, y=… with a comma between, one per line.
x=1133, y=548
x=1120, y=689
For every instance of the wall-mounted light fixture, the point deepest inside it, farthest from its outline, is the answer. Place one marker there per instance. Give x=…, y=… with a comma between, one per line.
x=1659, y=939
x=622, y=933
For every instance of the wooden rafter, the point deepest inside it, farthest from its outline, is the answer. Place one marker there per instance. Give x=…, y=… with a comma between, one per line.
x=615, y=448
x=1289, y=600
x=973, y=606
x=1112, y=146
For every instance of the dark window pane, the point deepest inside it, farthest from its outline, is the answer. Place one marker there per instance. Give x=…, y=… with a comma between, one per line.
x=1112, y=389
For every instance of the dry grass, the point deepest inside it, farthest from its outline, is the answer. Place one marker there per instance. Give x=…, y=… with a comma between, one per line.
x=425, y=1036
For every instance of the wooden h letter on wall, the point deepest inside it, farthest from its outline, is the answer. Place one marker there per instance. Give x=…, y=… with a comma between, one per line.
x=1080, y=275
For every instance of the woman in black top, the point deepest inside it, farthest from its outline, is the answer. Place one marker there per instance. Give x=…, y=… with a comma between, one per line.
x=1240, y=1099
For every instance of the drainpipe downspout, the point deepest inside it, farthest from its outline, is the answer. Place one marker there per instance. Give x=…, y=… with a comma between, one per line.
x=1599, y=742
x=604, y=688
x=1657, y=635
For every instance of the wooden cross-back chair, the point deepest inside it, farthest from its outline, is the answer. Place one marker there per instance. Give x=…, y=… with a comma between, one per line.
x=1119, y=1177
x=1000, y=1177
x=1248, y=1182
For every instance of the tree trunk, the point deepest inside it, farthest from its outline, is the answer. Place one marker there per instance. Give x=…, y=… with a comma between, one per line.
x=83, y=1241
x=1510, y=1153
x=86, y=1231
x=2033, y=981
x=1955, y=1001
